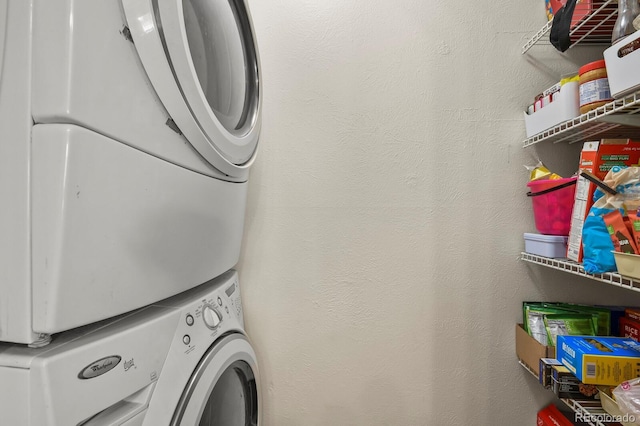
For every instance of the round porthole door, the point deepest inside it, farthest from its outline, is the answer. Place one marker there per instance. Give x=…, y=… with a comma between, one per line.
x=224, y=390
x=202, y=60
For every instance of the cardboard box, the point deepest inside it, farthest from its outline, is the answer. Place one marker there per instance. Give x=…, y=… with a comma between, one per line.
x=544, y=372
x=596, y=157
x=551, y=416
x=600, y=360
x=566, y=385
x=582, y=9
x=629, y=329
x=632, y=313
x=529, y=350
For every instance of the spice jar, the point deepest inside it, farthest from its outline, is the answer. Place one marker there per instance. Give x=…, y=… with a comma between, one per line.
x=594, y=86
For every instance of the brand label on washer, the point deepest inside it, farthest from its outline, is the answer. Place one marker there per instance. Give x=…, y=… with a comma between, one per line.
x=99, y=367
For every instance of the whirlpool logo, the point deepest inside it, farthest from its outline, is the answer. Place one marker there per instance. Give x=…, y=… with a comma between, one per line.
x=99, y=367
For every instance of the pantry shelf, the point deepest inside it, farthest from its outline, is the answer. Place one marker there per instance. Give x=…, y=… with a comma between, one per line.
x=577, y=269
x=594, y=28
x=616, y=119
x=591, y=410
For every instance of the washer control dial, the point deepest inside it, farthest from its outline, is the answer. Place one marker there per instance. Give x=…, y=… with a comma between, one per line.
x=212, y=317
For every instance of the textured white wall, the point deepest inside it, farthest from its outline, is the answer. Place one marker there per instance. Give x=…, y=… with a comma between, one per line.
x=380, y=268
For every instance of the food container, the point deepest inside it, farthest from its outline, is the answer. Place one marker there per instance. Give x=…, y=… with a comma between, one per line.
x=553, y=246
x=594, y=86
x=565, y=106
x=623, y=62
x=611, y=406
x=627, y=264
x=552, y=201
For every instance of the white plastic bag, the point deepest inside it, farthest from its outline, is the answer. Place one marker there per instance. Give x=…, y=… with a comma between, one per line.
x=627, y=396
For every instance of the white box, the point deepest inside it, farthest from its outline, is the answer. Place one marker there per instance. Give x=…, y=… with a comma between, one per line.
x=554, y=246
x=564, y=107
x=623, y=65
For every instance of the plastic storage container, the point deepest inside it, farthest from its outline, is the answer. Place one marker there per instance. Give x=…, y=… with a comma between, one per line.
x=565, y=107
x=623, y=62
x=627, y=264
x=552, y=204
x=554, y=246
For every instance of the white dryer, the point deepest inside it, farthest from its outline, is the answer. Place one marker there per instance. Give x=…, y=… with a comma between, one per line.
x=182, y=362
x=128, y=129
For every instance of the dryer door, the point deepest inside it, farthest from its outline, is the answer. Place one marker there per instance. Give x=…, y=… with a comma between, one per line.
x=201, y=58
x=224, y=390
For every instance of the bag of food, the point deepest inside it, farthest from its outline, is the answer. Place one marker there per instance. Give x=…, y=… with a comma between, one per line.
x=624, y=193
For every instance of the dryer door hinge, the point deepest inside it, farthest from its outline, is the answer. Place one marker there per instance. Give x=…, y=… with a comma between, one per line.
x=173, y=126
x=126, y=33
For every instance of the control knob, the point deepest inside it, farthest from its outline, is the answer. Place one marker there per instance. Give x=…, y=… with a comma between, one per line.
x=212, y=317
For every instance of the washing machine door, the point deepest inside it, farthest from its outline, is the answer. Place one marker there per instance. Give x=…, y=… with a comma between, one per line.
x=224, y=390
x=202, y=60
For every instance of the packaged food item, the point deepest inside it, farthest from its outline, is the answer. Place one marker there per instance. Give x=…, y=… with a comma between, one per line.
x=594, y=86
x=629, y=329
x=598, y=246
x=533, y=319
x=551, y=416
x=600, y=360
x=634, y=221
x=540, y=172
x=569, y=324
x=622, y=240
x=597, y=157
x=566, y=385
x=544, y=371
x=632, y=313
x=603, y=313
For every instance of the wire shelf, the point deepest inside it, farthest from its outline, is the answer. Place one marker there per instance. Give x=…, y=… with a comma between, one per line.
x=616, y=119
x=577, y=269
x=594, y=28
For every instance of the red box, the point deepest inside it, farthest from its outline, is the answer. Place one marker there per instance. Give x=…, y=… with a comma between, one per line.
x=551, y=416
x=597, y=157
x=583, y=8
x=629, y=328
x=632, y=313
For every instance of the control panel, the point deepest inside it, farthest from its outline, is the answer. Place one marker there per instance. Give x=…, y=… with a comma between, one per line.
x=213, y=315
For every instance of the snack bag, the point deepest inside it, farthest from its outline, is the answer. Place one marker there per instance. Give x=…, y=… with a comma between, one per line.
x=568, y=325
x=619, y=234
x=534, y=313
x=539, y=172
x=634, y=220
x=598, y=246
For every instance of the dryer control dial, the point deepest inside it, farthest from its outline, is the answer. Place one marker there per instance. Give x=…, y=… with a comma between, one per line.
x=211, y=317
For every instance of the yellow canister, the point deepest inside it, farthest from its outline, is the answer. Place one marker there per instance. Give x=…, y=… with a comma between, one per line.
x=594, y=86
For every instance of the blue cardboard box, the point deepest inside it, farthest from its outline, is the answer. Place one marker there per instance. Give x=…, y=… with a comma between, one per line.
x=600, y=360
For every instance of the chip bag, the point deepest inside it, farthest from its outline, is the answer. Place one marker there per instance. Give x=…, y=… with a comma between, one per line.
x=598, y=247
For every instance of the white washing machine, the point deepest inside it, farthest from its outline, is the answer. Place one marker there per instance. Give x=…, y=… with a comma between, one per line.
x=182, y=362
x=128, y=130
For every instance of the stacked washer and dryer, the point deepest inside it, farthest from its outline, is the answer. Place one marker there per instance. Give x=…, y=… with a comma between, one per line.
x=128, y=128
